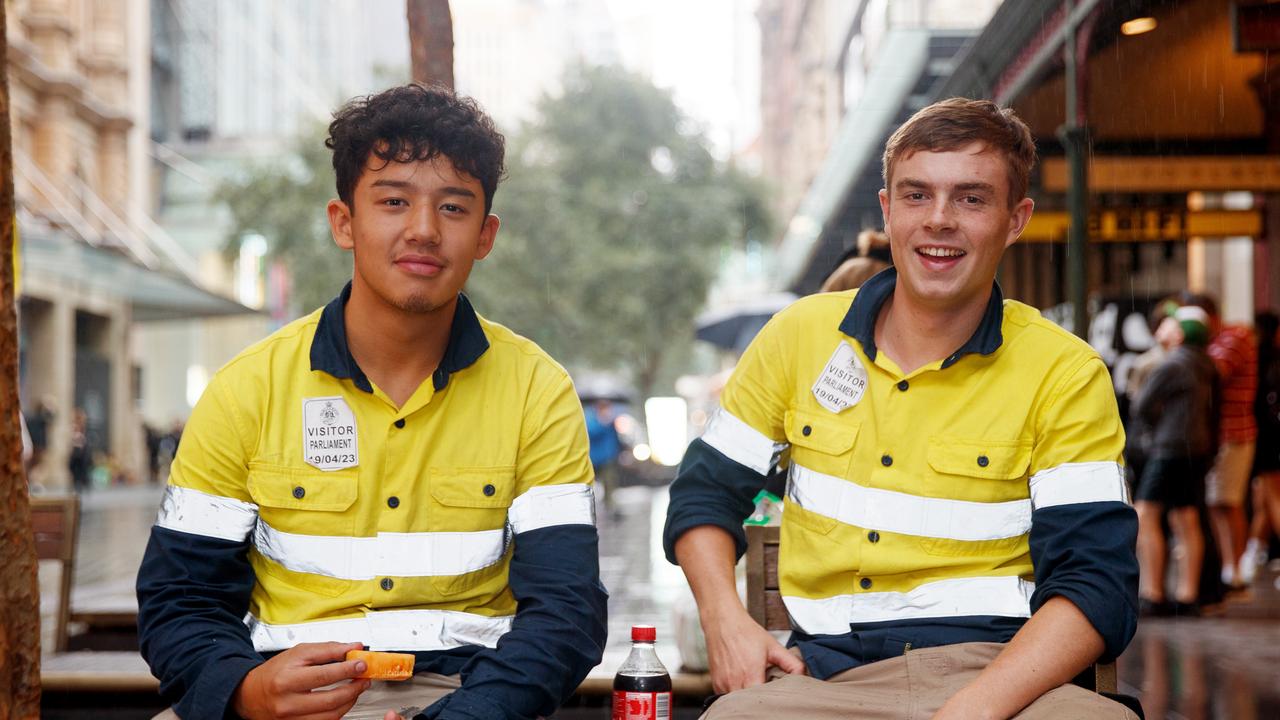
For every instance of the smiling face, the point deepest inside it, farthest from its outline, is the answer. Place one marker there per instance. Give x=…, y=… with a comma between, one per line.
x=949, y=221
x=415, y=228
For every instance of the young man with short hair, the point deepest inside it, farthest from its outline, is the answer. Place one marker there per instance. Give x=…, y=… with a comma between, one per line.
x=391, y=471
x=957, y=541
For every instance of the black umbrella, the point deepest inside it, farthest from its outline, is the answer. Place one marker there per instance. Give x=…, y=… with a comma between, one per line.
x=733, y=328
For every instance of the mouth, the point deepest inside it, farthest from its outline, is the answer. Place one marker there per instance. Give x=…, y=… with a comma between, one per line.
x=421, y=265
x=939, y=257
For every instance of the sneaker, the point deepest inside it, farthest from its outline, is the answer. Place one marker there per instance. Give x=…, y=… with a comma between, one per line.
x=1254, y=557
x=1186, y=610
x=1228, y=575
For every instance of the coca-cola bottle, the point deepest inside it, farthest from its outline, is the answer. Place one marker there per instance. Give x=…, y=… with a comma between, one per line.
x=642, y=687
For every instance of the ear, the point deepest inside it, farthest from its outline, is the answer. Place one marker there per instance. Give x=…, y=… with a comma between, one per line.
x=884, y=206
x=340, y=224
x=1018, y=219
x=488, y=232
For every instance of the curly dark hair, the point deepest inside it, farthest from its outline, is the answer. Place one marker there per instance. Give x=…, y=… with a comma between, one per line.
x=411, y=123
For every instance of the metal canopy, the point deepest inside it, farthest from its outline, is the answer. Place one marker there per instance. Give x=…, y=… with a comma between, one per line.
x=153, y=295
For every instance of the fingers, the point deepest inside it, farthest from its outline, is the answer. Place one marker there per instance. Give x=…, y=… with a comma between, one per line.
x=391, y=715
x=326, y=652
x=788, y=661
x=332, y=703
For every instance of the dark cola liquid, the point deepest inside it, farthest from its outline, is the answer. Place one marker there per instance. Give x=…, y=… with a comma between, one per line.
x=642, y=683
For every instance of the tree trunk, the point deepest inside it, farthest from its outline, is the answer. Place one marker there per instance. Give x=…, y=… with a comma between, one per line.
x=431, y=41
x=19, y=594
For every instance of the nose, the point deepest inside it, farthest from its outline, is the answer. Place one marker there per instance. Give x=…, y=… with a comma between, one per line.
x=423, y=225
x=941, y=216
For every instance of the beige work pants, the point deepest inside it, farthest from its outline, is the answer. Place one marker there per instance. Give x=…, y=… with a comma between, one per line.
x=407, y=698
x=909, y=687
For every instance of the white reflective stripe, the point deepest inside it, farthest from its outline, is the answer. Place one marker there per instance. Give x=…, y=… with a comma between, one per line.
x=200, y=513
x=547, y=505
x=877, y=509
x=393, y=554
x=741, y=443
x=1071, y=483
x=386, y=630
x=958, y=597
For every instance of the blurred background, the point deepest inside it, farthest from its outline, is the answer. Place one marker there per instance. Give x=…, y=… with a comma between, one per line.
x=677, y=172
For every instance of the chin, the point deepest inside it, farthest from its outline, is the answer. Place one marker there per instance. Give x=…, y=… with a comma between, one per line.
x=419, y=304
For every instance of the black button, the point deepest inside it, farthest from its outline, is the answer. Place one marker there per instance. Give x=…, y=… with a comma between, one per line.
x=806, y=430
x=387, y=583
x=885, y=460
x=298, y=492
x=400, y=423
x=903, y=385
x=983, y=461
x=865, y=583
x=393, y=502
x=489, y=490
x=873, y=536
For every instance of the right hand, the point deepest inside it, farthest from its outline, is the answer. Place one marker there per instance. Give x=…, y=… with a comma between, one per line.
x=284, y=686
x=740, y=651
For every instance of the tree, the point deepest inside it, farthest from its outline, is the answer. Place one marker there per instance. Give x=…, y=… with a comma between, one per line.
x=285, y=203
x=19, y=593
x=614, y=216
x=431, y=41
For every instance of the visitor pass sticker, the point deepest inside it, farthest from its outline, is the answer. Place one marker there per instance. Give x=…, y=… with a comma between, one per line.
x=843, y=381
x=329, y=440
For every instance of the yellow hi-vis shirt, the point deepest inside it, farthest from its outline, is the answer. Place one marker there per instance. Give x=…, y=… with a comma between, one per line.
x=910, y=496
x=371, y=523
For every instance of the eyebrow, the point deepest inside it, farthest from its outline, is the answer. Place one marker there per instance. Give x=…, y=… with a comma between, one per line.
x=404, y=184
x=960, y=187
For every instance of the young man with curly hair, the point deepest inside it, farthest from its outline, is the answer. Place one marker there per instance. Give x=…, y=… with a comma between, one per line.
x=957, y=541
x=391, y=471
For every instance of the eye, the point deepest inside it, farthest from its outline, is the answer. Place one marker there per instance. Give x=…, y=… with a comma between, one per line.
x=452, y=208
x=915, y=196
x=972, y=200
x=395, y=202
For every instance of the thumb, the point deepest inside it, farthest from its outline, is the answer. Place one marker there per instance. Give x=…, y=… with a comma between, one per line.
x=391, y=715
x=786, y=660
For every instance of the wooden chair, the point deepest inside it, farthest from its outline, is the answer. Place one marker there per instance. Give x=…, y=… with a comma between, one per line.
x=764, y=601
x=55, y=520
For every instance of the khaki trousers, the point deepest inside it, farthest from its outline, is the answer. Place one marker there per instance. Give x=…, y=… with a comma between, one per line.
x=909, y=687
x=408, y=698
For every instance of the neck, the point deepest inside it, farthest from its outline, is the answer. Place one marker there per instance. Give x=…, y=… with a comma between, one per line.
x=913, y=334
x=397, y=350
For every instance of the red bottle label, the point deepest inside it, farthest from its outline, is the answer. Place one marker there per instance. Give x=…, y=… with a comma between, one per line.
x=641, y=705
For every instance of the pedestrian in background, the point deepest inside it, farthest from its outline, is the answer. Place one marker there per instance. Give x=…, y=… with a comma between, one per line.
x=1266, y=459
x=869, y=255
x=605, y=446
x=1174, y=416
x=1235, y=353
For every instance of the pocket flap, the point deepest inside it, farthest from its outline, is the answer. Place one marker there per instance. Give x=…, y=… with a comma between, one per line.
x=822, y=432
x=299, y=489
x=480, y=487
x=993, y=460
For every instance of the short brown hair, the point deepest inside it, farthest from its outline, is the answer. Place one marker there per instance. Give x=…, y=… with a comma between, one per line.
x=951, y=124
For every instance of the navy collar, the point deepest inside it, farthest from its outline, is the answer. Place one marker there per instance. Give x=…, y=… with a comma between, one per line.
x=331, y=354
x=860, y=322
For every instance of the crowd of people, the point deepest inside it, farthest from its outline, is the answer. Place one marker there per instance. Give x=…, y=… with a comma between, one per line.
x=1204, y=427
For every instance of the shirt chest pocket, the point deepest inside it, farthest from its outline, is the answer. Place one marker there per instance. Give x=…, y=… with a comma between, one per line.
x=471, y=503
x=305, y=524
x=821, y=442
x=981, y=504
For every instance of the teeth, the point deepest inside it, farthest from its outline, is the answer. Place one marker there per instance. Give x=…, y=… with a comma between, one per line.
x=941, y=252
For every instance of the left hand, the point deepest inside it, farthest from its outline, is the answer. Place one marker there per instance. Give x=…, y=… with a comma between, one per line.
x=391, y=715
x=960, y=707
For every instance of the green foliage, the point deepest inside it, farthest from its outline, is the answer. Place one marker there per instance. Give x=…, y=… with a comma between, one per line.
x=285, y=202
x=613, y=218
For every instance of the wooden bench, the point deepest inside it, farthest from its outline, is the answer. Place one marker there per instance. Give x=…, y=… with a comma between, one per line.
x=55, y=521
x=764, y=601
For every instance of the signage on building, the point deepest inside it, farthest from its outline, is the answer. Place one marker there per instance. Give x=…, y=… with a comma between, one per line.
x=1147, y=225
x=1170, y=174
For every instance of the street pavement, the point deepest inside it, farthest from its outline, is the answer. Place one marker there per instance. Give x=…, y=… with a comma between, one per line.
x=1186, y=669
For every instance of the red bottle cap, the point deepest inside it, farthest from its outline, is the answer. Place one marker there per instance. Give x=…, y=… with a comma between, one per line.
x=643, y=633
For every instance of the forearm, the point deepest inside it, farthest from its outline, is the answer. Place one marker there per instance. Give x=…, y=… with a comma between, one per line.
x=1055, y=645
x=707, y=556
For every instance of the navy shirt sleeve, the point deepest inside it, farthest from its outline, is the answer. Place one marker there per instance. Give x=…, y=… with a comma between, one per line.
x=710, y=489
x=557, y=636
x=193, y=593
x=1085, y=553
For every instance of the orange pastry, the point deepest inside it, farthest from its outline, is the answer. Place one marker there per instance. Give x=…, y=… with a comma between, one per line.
x=384, y=665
